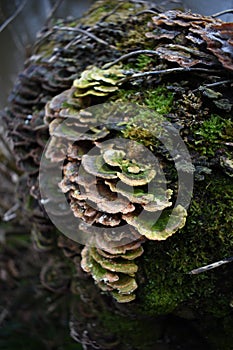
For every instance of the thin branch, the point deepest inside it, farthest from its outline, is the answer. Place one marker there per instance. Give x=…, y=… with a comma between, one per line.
x=168, y=2
x=219, y=83
x=11, y=213
x=146, y=11
x=53, y=11
x=128, y=55
x=221, y=13
x=111, y=12
x=210, y=85
x=84, y=32
x=139, y=2
x=12, y=17
x=166, y=71
x=211, y=266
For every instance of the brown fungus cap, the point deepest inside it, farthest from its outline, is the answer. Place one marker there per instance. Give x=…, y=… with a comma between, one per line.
x=219, y=39
x=192, y=39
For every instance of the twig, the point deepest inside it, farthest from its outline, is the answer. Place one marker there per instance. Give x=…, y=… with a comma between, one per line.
x=128, y=55
x=139, y=2
x=211, y=266
x=168, y=2
x=165, y=71
x=111, y=12
x=53, y=10
x=84, y=32
x=222, y=13
x=219, y=83
x=146, y=11
x=11, y=213
x=12, y=17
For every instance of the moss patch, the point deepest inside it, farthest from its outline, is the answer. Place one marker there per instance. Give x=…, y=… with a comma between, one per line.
x=207, y=237
x=103, y=8
x=211, y=134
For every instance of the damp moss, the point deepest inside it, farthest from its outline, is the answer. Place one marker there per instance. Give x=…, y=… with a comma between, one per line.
x=46, y=50
x=159, y=99
x=211, y=134
x=141, y=62
x=134, y=35
x=207, y=237
x=145, y=128
x=106, y=8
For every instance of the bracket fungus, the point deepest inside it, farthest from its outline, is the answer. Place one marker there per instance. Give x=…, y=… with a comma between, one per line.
x=109, y=186
x=192, y=39
x=97, y=82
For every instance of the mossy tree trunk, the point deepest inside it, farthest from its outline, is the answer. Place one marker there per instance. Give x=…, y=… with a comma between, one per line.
x=171, y=64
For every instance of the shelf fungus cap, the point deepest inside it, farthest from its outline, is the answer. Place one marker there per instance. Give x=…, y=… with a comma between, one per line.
x=162, y=228
x=112, y=273
x=97, y=82
x=219, y=39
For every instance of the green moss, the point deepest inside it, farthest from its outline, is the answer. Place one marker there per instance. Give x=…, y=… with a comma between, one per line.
x=141, y=63
x=46, y=50
x=102, y=8
x=145, y=128
x=134, y=34
x=159, y=99
x=207, y=237
x=97, y=12
x=212, y=133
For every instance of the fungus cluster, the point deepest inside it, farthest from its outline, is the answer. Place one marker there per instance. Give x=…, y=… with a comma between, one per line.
x=115, y=189
x=192, y=39
x=97, y=82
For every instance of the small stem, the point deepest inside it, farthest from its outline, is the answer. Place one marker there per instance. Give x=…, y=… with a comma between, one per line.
x=166, y=71
x=84, y=32
x=12, y=17
x=139, y=2
x=111, y=12
x=145, y=12
x=52, y=12
x=211, y=266
x=219, y=83
x=128, y=55
x=11, y=213
x=222, y=13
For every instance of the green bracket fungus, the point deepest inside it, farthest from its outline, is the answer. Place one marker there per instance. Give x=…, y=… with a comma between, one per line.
x=97, y=82
x=160, y=230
